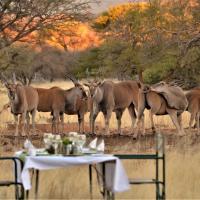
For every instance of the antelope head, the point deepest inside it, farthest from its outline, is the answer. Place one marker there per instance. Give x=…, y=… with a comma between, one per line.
x=93, y=85
x=12, y=91
x=74, y=80
x=143, y=88
x=160, y=87
x=78, y=85
x=11, y=87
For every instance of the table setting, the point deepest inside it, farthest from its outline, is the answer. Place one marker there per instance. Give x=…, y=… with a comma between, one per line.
x=72, y=145
x=68, y=151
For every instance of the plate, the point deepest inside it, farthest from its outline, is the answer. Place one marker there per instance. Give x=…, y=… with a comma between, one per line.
x=101, y=154
x=41, y=152
x=73, y=155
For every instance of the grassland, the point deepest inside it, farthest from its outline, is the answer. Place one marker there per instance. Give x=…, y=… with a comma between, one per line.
x=72, y=183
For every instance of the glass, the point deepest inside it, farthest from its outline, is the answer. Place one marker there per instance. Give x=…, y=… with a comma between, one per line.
x=46, y=140
x=81, y=139
x=55, y=145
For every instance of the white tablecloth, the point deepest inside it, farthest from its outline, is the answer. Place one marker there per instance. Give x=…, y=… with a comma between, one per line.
x=116, y=178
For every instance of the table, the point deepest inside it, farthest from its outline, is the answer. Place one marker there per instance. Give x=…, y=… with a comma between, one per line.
x=116, y=179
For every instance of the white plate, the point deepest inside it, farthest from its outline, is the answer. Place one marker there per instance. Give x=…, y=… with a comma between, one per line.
x=101, y=154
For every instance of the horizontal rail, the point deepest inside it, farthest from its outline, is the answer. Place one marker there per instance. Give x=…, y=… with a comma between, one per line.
x=139, y=156
x=145, y=181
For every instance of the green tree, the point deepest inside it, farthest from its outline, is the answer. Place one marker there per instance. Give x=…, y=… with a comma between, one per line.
x=160, y=34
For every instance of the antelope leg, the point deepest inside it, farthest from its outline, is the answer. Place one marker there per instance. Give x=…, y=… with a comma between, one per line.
x=152, y=122
x=62, y=123
x=23, y=118
x=197, y=120
x=119, y=117
x=16, y=125
x=192, y=117
x=27, y=122
x=53, y=128
x=81, y=123
x=132, y=114
x=107, y=116
x=93, y=116
x=174, y=118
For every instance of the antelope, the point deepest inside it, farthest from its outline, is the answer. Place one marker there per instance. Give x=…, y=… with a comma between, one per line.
x=109, y=97
x=76, y=102
x=22, y=100
x=58, y=101
x=193, y=97
x=52, y=100
x=160, y=102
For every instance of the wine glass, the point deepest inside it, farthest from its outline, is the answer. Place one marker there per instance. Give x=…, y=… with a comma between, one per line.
x=81, y=141
x=55, y=145
x=46, y=139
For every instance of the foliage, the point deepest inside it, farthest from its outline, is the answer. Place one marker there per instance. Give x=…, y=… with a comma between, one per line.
x=27, y=63
x=159, y=34
x=20, y=18
x=18, y=59
x=111, y=59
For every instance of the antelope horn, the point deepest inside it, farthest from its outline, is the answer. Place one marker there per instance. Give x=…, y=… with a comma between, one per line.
x=86, y=84
x=73, y=79
x=14, y=78
x=4, y=79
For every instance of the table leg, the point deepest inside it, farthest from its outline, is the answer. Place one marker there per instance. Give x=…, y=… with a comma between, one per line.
x=104, y=180
x=107, y=194
x=90, y=180
x=27, y=194
x=36, y=184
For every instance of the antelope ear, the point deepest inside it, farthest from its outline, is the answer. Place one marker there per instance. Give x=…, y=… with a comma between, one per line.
x=6, y=84
x=14, y=78
x=139, y=84
x=3, y=79
x=76, y=84
x=86, y=84
x=99, y=83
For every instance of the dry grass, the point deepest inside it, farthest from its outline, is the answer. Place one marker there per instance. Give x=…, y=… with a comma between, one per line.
x=72, y=183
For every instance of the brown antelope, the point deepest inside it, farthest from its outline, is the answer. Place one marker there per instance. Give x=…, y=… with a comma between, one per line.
x=76, y=102
x=193, y=97
x=52, y=100
x=58, y=101
x=160, y=102
x=23, y=100
x=109, y=97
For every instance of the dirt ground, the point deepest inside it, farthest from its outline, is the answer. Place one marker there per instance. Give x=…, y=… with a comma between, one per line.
x=114, y=142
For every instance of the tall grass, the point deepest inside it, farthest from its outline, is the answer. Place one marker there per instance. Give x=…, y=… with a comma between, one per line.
x=72, y=183
x=182, y=174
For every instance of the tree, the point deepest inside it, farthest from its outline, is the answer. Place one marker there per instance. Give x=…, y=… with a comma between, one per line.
x=160, y=33
x=19, y=18
x=71, y=36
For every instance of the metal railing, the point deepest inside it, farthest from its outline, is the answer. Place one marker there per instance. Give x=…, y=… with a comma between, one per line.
x=18, y=165
x=159, y=182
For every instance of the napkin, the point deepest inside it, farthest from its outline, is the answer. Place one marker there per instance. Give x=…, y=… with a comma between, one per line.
x=93, y=144
x=73, y=134
x=30, y=148
x=101, y=146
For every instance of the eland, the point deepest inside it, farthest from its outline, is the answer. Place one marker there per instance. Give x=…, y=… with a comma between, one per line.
x=162, y=99
x=22, y=101
x=108, y=97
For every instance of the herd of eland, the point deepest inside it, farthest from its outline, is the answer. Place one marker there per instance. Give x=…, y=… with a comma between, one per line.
x=106, y=97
